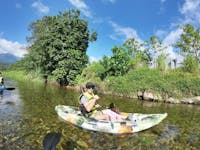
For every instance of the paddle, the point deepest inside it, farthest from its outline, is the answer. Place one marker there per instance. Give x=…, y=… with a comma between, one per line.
x=3, y=87
x=10, y=88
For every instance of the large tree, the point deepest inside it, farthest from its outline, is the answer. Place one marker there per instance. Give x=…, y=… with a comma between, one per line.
x=58, y=45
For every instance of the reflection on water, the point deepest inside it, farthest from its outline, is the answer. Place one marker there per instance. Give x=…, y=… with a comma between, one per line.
x=28, y=116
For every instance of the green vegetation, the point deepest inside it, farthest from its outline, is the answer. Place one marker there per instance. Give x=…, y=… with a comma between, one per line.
x=21, y=76
x=57, y=52
x=58, y=46
x=128, y=70
x=189, y=41
x=167, y=84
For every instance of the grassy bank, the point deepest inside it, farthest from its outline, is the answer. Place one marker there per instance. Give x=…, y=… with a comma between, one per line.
x=21, y=76
x=169, y=84
x=175, y=84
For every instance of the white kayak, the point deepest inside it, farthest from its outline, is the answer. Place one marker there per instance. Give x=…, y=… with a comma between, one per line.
x=138, y=122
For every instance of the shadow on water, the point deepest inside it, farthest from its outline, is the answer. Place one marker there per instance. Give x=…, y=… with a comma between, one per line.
x=28, y=121
x=51, y=140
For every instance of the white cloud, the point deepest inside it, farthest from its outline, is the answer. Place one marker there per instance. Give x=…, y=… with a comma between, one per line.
x=162, y=9
x=123, y=31
x=162, y=1
x=81, y=5
x=161, y=33
x=40, y=7
x=93, y=59
x=14, y=48
x=18, y=5
x=191, y=14
x=110, y=1
x=170, y=39
x=191, y=11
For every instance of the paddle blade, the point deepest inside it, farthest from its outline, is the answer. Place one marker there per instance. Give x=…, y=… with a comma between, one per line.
x=10, y=88
x=51, y=140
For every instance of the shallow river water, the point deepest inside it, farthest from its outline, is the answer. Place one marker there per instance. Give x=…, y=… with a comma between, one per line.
x=27, y=115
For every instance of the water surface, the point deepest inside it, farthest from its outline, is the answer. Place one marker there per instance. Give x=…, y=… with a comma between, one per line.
x=28, y=115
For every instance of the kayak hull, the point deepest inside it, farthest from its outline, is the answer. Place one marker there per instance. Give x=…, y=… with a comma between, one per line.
x=137, y=122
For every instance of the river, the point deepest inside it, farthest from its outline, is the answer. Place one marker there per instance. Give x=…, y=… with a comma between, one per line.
x=28, y=115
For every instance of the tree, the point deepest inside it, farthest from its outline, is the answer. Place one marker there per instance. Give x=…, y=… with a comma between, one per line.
x=156, y=49
x=58, y=46
x=118, y=64
x=140, y=56
x=189, y=42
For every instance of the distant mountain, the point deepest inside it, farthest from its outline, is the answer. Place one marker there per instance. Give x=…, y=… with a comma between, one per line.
x=8, y=58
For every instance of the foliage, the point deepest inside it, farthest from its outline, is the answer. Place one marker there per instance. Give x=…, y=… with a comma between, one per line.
x=19, y=65
x=58, y=46
x=139, y=57
x=20, y=75
x=156, y=44
x=118, y=64
x=189, y=42
x=58, y=50
x=161, y=62
x=2, y=67
x=190, y=64
x=94, y=72
x=175, y=84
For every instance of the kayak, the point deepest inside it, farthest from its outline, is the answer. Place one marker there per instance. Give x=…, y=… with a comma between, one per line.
x=137, y=122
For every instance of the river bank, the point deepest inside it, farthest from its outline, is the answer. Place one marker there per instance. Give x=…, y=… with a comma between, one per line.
x=146, y=96
x=110, y=87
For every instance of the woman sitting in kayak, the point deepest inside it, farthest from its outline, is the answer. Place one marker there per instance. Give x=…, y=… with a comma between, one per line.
x=89, y=107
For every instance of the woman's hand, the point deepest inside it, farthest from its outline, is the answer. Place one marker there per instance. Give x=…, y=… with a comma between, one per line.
x=96, y=97
x=97, y=106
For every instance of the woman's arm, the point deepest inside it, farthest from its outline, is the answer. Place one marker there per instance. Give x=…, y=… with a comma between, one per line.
x=90, y=104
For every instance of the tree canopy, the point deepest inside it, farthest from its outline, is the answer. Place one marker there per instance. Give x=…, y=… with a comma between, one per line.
x=58, y=46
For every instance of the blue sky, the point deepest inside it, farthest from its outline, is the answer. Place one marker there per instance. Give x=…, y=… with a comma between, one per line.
x=113, y=20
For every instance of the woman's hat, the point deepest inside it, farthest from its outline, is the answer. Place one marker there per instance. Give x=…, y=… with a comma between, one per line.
x=90, y=85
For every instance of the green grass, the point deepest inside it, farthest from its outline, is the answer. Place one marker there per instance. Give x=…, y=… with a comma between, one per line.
x=21, y=75
x=175, y=84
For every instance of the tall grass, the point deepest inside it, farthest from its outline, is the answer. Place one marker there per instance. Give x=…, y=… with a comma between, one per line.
x=22, y=75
